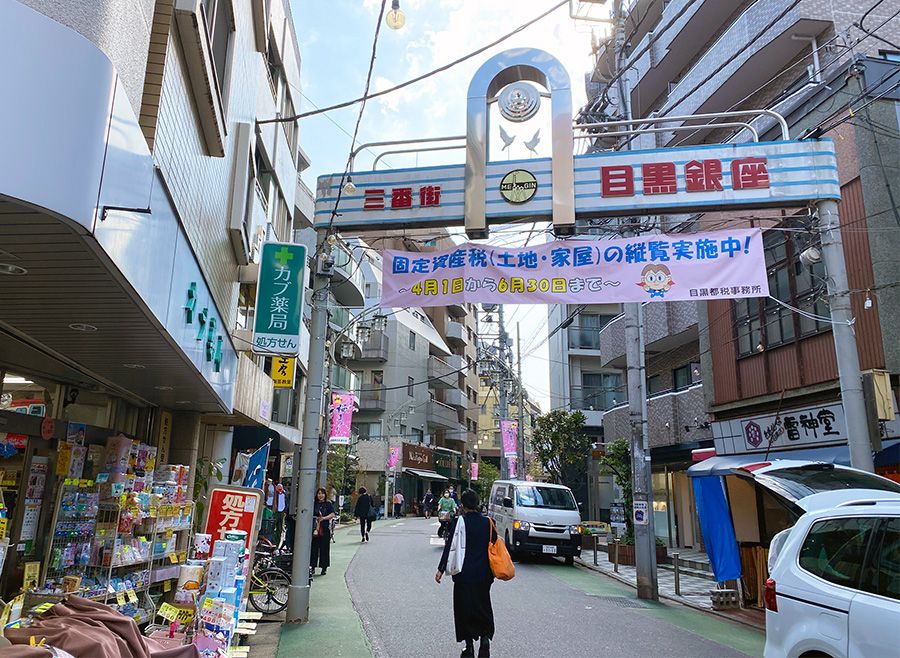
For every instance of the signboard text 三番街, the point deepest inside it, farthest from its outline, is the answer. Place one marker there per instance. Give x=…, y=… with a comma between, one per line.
x=679, y=267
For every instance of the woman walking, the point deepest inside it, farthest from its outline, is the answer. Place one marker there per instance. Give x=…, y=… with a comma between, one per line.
x=428, y=504
x=472, y=612
x=320, y=554
x=364, y=511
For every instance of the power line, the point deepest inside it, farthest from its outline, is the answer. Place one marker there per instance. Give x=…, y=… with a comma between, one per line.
x=366, y=96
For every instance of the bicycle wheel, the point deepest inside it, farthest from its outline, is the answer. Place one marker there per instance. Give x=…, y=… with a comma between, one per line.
x=269, y=591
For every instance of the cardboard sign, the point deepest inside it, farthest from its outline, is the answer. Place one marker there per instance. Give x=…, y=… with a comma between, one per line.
x=170, y=612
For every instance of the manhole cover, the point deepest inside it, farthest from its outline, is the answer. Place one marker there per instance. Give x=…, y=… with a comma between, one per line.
x=619, y=601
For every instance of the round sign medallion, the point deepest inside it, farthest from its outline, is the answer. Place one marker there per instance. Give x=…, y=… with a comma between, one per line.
x=47, y=428
x=518, y=186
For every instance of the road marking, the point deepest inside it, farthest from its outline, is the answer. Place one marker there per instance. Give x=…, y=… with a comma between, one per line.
x=437, y=541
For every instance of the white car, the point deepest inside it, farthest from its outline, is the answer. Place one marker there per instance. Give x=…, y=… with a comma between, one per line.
x=834, y=578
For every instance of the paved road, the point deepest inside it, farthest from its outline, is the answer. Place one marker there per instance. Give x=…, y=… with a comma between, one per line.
x=547, y=610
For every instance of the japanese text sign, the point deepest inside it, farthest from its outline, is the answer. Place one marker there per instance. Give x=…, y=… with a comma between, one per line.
x=232, y=508
x=279, y=299
x=283, y=368
x=655, y=181
x=509, y=431
x=679, y=267
x=341, y=417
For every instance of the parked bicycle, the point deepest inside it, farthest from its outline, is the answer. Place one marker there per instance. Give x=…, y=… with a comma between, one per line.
x=269, y=588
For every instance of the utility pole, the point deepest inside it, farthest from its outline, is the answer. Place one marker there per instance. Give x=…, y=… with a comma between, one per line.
x=644, y=534
x=520, y=442
x=502, y=386
x=844, y=337
x=305, y=471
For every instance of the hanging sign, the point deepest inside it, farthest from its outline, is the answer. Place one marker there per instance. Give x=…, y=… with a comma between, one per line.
x=509, y=431
x=656, y=181
x=341, y=417
x=394, y=457
x=473, y=475
x=279, y=299
x=679, y=267
x=283, y=368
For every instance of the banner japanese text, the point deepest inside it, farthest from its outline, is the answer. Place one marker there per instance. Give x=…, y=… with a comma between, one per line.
x=509, y=432
x=341, y=417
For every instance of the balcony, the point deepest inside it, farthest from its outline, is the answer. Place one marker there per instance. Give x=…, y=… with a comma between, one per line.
x=668, y=414
x=305, y=204
x=666, y=326
x=674, y=50
x=372, y=398
x=584, y=338
x=456, y=398
x=743, y=69
x=440, y=374
x=456, y=334
x=347, y=282
x=442, y=416
x=376, y=348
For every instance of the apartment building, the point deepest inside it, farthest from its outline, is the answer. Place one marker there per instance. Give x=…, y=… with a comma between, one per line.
x=136, y=188
x=489, y=445
x=719, y=371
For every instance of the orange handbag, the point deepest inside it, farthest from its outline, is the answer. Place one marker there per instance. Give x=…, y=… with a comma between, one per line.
x=501, y=564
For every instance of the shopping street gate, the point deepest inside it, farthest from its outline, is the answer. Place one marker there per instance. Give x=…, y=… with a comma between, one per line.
x=565, y=187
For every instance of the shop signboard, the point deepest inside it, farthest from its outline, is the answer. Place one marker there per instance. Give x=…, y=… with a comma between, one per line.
x=812, y=426
x=283, y=368
x=233, y=508
x=279, y=299
x=418, y=457
x=164, y=436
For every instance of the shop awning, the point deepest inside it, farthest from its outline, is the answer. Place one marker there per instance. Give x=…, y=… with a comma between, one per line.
x=425, y=475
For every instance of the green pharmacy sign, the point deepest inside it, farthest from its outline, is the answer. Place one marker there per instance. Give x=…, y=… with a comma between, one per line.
x=279, y=299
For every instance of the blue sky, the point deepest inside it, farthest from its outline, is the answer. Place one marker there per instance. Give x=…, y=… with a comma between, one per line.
x=335, y=44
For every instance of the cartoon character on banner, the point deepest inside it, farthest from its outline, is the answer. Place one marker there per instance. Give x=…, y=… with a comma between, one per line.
x=656, y=279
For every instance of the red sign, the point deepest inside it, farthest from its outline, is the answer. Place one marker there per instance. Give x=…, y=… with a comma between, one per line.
x=233, y=508
x=401, y=198
x=699, y=176
x=47, y=428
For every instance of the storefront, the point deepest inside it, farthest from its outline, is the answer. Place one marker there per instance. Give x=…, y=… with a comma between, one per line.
x=418, y=476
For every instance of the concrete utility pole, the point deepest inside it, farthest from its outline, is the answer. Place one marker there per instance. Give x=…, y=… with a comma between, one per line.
x=520, y=443
x=502, y=386
x=644, y=534
x=844, y=337
x=305, y=471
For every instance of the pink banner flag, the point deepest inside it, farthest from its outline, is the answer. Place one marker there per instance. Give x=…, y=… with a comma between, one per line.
x=341, y=417
x=509, y=431
x=512, y=463
x=394, y=457
x=656, y=268
x=474, y=473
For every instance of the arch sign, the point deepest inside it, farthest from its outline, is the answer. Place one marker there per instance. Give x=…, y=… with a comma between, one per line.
x=723, y=264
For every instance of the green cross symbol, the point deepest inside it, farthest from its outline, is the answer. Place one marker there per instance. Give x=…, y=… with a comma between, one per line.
x=283, y=255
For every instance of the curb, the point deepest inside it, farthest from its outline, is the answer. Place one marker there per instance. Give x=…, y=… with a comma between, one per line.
x=673, y=599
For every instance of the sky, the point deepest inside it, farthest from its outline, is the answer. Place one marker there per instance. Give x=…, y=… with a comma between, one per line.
x=335, y=45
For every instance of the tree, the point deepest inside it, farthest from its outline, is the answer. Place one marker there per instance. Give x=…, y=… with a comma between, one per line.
x=342, y=470
x=487, y=474
x=617, y=461
x=563, y=449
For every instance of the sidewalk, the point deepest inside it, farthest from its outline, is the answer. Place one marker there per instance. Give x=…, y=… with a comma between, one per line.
x=694, y=588
x=334, y=628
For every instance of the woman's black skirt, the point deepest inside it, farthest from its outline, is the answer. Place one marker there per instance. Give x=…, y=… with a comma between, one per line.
x=472, y=611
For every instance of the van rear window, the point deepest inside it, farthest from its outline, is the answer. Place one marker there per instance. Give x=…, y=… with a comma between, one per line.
x=803, y=482
x=547, y=497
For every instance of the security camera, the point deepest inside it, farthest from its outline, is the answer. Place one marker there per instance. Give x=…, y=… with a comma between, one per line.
x=810, y=256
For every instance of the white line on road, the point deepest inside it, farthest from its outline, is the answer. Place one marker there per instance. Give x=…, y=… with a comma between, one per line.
x=437, y=541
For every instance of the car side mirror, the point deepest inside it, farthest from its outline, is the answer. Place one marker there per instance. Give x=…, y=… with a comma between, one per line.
x=507, y=502
x=581, y=506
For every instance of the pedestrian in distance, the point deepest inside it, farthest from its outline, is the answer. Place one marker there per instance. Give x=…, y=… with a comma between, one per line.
x=320, y=553
x=454, y=495
x=269, y=488
x=365, y=512
x=280, y=509
x=473, y=616
x=428, y=504
x=398, y=504
x=446, y=509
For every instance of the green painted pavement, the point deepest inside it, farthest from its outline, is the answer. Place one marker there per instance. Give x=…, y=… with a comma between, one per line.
x=334, y=628
x=727, y=633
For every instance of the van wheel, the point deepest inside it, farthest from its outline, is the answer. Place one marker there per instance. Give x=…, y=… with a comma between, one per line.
x=513, y=555
x=570, y=560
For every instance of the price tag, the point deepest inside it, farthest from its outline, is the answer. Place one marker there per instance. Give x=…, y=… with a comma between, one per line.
x=168, y=533
x=167, y=585
x=173, y=558
x=131, y=596
x=170, y=612
x=120, y=598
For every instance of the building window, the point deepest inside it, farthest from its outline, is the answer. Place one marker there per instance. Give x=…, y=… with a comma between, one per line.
x=654, y=384
x=412, y=340
x=681, y=378
x=279, y=84
x=764, y=323
x=599, y=391
x=368, y=431
x=419, y=435
x=410, y=384
x=218, y=26
x=586, y=334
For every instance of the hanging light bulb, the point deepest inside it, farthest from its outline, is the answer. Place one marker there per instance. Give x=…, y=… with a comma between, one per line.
x=395, y=18
x=349, y=187
x=379, y=322
x=868, y=303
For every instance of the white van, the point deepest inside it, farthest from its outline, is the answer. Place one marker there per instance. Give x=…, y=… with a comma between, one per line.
x=537, y=518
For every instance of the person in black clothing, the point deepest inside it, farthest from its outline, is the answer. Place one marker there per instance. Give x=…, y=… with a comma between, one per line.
x=320, y=554
x=364, y=511
x=428, y=504
x=472, y=612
